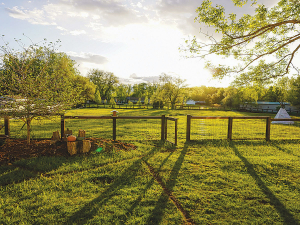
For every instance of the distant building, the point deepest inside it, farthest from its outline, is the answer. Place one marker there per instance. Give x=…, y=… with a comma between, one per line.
x=266, y=106
x=193, y=102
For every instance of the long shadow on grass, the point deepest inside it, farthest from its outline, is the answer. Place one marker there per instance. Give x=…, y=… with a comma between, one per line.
x=143, y=192
x=284, y=213
x=26, y=169
x=89, y=210
x=286, y=150
x=158, y=212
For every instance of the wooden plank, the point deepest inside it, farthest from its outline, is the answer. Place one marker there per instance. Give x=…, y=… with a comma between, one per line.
x=226, y=117
x=87, y=117
x=209, y=117
x=139, y=117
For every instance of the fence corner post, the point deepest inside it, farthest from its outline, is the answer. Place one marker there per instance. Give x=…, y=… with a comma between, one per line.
x=188, y=128
x=229, y=134
x=6, y=126
x=163, y=127
x=62, y=126
x=268, y=129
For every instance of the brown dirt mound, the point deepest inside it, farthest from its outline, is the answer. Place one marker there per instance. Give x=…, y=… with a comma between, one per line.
x=15, y=149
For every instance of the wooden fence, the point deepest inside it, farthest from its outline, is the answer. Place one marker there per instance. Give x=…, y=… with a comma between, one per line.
x=164, y=131
x=5, y=126
x=267, y=130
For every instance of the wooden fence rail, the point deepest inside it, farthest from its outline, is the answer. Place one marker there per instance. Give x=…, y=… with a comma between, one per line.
x=230, y=124
x=163, y=118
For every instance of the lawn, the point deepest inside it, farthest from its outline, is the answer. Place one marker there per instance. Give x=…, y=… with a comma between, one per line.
x=202, y=182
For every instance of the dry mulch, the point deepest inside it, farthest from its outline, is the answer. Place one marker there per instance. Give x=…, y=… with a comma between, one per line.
x=15, y=149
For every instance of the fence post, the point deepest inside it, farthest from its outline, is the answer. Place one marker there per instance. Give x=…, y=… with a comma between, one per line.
x=166, y=129
x=163, y=120
x=6, y=126
x=176, y=132
x=268, y=128
x=229, y=134
x=114, y=127
x=188, y=128
x=62, y=126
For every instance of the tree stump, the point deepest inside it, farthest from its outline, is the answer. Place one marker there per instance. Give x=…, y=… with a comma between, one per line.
x=72, y=147
x=55, y=136
x=81, y=133
x=86, y=146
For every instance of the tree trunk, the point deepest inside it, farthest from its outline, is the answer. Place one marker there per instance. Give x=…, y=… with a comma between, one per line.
x=28, y=122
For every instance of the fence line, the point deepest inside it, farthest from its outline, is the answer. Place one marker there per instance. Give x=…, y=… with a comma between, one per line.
x=266, y=133
x=164, y=128
x=163, y=124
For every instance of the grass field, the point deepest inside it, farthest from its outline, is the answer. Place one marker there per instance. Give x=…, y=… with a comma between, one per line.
x=149, y=129
x=202, y=182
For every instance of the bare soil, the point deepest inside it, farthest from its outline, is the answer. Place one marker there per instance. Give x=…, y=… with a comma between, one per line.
x=15, y=149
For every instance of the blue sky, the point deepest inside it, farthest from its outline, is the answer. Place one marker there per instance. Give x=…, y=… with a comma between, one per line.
x=137, y=40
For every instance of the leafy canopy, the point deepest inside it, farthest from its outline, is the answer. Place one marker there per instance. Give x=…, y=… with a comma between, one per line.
x=42, y=82
x=105, y=82
x=265, y=43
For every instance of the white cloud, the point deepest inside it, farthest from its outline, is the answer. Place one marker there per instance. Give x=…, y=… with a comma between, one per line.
x=34, y=16
x=88, y=58
x=77, y=32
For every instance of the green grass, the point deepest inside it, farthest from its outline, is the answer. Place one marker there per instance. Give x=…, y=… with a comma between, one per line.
x=215, y=182
x=150, y=129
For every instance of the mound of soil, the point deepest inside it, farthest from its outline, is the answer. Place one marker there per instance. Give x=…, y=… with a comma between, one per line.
x=15, y=149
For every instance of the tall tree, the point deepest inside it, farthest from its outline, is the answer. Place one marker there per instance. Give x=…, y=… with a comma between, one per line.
x=266, y=43
x=170, y=89
x=105, y=81
x=41, y=78
x=279, y=91
x=98, y=99
x=121, y=92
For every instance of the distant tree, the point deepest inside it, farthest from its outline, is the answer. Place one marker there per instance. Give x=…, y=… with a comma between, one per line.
x=98, y=99
x=231, y=97
x=121, y=92
x=87, y=88
x=294, y=91
x=170, y=89
x=105, y=81
x=139, y=90
x=279, y=92
x=217, y=97
x=266, y=43
x=41, y=78
x=146, y=101
x=112, y=102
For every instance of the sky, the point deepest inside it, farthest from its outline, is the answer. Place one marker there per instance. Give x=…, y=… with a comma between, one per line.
x=137, y=40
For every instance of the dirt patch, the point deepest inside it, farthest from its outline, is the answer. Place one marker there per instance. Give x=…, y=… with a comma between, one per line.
x=15, y=149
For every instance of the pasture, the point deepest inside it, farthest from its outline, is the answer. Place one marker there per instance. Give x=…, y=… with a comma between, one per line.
x=201, y=182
